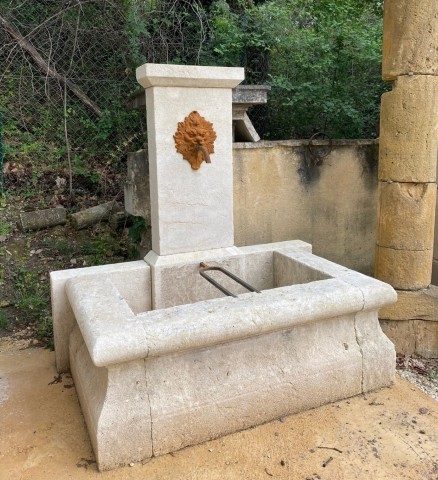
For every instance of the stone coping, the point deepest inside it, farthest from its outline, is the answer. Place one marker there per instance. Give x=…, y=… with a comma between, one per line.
x=113, y=334
x=304, y=142
x=164, y=75
x=250, y=94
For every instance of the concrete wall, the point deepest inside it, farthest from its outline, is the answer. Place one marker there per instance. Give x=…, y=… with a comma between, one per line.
x=326, y=196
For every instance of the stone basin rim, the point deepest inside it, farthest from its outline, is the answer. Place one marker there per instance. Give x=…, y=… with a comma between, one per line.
x=117, y=335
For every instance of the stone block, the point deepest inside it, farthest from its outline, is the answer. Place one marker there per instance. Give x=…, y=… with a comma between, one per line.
x=404, y=269
x=191, y=209
x=410, y=337
x=366, y=326
x=115, y=405
x=38, y=219
x=409, y=130
x=435, y=249
x=243, y=129
x=426, y=334
x=223, y=394
x=250, y=94
x=130, y=278
x=156, y=381
x=418, y=305
x=401, y=334
x=405, y=213
x=410, y=37
x=169, y=75
x=137, y=196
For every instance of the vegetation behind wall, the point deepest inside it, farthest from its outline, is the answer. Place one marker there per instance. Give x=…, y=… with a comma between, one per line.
x=68, y=70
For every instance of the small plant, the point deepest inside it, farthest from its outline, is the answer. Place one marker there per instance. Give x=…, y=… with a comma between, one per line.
x=137, y=229
x=31, y=295
x=100, y=248
x=4, y=228
x=4, y=323
x=432, y=373
x=45, y=332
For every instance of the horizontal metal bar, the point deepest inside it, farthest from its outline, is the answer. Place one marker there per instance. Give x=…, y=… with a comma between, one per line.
x=205, y=268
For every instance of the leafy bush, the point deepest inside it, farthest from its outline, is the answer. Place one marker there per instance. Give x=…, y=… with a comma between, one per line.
x=321, y=57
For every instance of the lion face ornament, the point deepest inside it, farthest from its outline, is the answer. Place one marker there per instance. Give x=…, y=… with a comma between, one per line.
x=194, y=139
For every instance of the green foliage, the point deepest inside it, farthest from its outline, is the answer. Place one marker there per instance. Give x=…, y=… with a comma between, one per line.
x=4, y=323
x=321, y=57
x=322, y=60
x=4, y=228
x=137, y=229
x=31, y=296
x=100, y=248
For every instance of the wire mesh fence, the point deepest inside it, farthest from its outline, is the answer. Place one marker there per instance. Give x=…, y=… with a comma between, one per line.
x=67, y=74
x=64, y=83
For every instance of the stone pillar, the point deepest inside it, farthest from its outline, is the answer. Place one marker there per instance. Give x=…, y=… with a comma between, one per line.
x=189, y=121
x=191, y=204
x=407, y=172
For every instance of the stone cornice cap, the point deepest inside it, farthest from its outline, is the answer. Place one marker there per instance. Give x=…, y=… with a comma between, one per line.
x=164, y=75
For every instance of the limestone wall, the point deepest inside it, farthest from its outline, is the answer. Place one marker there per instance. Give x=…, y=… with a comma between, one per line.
x=327, y=197
x=282, y=192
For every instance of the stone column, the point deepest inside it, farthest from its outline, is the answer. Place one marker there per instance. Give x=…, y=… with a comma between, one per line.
x=407, y=173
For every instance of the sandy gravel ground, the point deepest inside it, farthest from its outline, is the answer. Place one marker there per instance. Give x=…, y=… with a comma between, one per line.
x=389, y=434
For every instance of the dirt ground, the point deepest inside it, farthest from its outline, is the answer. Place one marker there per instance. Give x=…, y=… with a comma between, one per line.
x=388, y=434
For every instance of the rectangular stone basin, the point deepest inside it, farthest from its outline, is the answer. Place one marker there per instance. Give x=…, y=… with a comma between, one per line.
x=162, y=360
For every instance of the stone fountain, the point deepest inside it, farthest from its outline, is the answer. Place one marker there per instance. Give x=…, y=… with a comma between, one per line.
x=161, y=359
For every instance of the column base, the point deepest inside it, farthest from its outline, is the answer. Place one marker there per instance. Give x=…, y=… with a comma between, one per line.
x=412, y=322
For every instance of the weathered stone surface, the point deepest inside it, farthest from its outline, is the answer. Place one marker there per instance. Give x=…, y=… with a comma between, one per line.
x=224, y=394
x=435, y=249
x=406, y=47
x=250, y=94
x=409, y=130
x=419, y=305
x=161, y=380
x=413, y=336
x=168, y=75
x=426, y=338
x=115, y=405
x=93, y=215
x=402, y=334
x=243, y=129
x=366, y=326
x=405, y=213
x=129, y=278
x=291, y=199
x=38, y=219
x=137, y=196
x=404, y=269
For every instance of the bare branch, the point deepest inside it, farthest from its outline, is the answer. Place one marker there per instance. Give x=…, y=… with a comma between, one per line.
x=47, y=69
